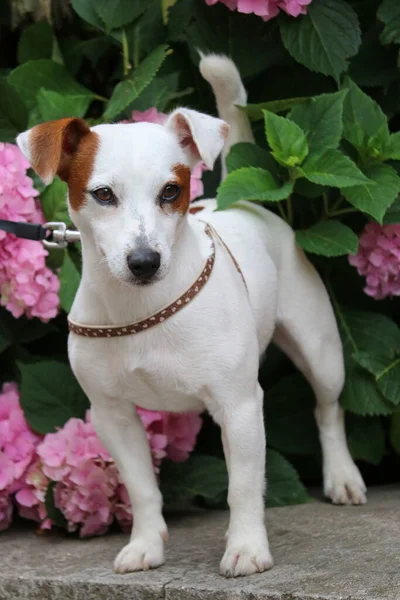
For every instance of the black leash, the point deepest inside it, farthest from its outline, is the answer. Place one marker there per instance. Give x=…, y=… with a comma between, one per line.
x=28, y=231
x=53, y=235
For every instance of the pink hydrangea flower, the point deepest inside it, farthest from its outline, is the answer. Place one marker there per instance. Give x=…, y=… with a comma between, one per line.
x=152, y=115
x=27, y=286
x=17, y=451
x=17, y=441
x=181, y=431
x=31, y=496
x=77, y=461
x=378, y=259
x=89, y=491
x=267, y=9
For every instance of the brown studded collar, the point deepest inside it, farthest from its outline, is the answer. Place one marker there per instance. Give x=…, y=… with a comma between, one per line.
x=109, y=331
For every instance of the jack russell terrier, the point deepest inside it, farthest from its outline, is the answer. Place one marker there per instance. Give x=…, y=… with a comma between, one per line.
x=174, y=310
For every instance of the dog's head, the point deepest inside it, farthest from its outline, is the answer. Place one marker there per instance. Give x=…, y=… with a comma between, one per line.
x=128, y=184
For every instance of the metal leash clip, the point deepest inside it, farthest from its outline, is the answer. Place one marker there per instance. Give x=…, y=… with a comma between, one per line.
x=61, y=235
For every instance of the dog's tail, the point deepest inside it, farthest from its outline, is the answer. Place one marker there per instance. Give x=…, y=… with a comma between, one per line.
x=224, y=78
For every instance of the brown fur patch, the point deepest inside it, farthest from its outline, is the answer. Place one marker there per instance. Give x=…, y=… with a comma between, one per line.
x=81, y=169
x=182, y=178
x=224, y=130
x=67, y=148
x=195, y=209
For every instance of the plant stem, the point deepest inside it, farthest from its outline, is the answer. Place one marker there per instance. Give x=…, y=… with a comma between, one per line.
x=326, y=203
x=289, y=206
x=125, y=54
x=136, y=47
x=338, y=203
x=282, y=211
x=343, y=211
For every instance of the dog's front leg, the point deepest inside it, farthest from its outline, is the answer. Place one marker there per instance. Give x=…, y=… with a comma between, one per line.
x=122, y=433
x=242, y=423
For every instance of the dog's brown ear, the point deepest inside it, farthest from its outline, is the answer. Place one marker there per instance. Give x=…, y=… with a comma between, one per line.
x=201, y=136
x=50, y=147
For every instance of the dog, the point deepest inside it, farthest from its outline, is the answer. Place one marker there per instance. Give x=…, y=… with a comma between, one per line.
x=241, y=282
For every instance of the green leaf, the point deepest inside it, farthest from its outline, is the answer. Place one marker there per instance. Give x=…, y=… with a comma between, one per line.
x=54, y=203
x=393, y=213
x=30, y=77
x=144, y=34
x=386, y=371
x=321, y=119
x=255, y=111
x=284, y=486
x=332, y=168
x=74, y=50
x=127, y=91
x=389, y=14
x=36, y=42
x=325, y=38
x=20, y=331
x=366, y=438
x=251, y=184
x=374, y=199
x=53, y=512
x=53, y=105
x=13, y=112
x=246, y=154
x=69, y=280
x=364, y=123
x=374, y=65
x=161, y=91
x=204, y=476
x=361, y=395
x=290, y=423
x=395, y=431
x=287, y=141
x=392, y=149
x=363, y=331
x=215, y=30
x=50, y=395
x=87, y=10
x=328, y=238
x=118, y=13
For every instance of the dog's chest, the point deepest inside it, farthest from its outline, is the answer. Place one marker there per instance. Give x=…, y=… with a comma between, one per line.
x=154, y=371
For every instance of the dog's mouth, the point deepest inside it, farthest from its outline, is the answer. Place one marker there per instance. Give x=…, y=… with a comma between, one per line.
x=148, y=282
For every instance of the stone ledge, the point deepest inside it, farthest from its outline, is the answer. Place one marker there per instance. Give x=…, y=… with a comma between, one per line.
x=321, y=552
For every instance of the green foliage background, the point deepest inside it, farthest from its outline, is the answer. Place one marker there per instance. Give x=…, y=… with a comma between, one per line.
x=324, y=93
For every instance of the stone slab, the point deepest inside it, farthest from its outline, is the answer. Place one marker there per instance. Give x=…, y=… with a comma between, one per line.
x=321, y=552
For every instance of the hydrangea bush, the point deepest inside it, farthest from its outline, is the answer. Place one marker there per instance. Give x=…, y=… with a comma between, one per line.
x=324, y=100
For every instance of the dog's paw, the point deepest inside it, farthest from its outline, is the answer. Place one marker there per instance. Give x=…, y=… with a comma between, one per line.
x=245, y=558
x=343, y=483
x=141, y=554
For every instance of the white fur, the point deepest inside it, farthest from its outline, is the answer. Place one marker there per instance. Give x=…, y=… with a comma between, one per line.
x=207, y=355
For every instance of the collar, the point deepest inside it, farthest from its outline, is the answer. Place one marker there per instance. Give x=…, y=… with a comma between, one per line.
x=109, y=331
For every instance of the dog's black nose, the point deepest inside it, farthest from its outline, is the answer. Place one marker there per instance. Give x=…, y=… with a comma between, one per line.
x=144, y=263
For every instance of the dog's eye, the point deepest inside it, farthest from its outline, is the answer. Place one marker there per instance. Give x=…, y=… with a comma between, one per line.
x=104, y=195
x=170, y=192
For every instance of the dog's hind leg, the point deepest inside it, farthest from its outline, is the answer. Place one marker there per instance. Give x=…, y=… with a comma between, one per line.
x=120, y=429
x=307, y=332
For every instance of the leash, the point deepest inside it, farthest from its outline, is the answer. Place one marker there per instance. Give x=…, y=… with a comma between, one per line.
x=53, y=234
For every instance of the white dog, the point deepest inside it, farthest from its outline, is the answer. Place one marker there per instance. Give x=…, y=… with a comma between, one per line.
x=142, y=251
